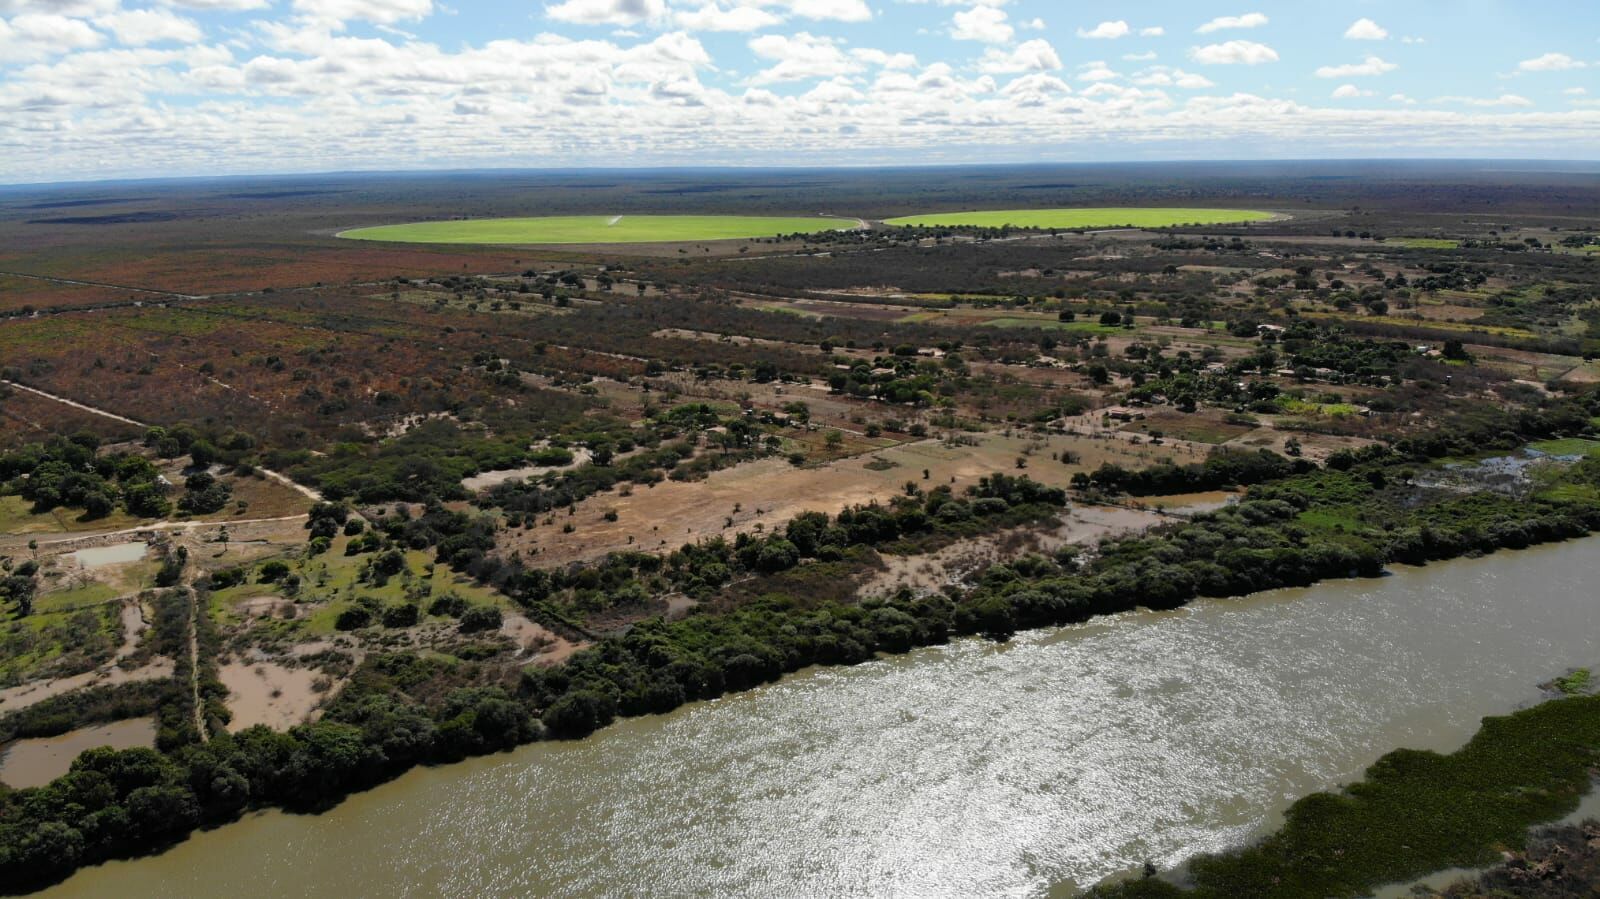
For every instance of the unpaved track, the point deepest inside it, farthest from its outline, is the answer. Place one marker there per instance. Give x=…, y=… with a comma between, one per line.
x=77, y=283
x=276, y=476
x=194, y=665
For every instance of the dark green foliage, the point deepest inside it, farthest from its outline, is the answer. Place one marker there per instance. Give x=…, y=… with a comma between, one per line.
x=480, y=618
x=1414, y=813
x=71, y=473
x=402, y=710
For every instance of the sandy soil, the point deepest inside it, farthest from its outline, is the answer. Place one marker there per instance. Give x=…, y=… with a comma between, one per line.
x=536, y=643
x=487, y=479
x=930, y=572
x=769, y=492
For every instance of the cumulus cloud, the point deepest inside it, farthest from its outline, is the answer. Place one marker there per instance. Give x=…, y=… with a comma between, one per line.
x=1247, y=53
x=383, y=12
x=1369, y=67
x=1248, y=20
x=982, y=23
x=33, y=36
x=1030, y=56
x=1152, y=31
x=601, y=12
x=1162, y=76
x=1502, y=100
x=138, y=27
x=213, y=5
x=834, y=10
x=801, y=57
x=1366, y=30
x=1551, y=62
x=309, y=80
x=1106, y=31
x=713, y=17
x=1096, y=71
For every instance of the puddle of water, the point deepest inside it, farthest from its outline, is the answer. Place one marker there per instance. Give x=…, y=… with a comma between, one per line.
x=115, y=554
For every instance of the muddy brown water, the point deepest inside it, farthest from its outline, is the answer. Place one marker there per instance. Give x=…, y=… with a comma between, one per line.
x=974, y=769
x=35, y=762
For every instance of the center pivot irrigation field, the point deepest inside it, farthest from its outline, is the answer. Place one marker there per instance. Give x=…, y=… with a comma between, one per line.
x=599, y=229
x=1104, y=217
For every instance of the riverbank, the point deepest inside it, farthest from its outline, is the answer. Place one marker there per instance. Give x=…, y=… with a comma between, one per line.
x=975, y=768
x=1413, y=813
x=1298, y=526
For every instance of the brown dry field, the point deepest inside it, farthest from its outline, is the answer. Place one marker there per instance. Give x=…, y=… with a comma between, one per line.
x=769, y=492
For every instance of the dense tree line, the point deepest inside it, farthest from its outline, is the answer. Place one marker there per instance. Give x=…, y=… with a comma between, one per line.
x=403, y=710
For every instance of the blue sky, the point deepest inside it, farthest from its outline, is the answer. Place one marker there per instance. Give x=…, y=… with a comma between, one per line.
x=115, y=88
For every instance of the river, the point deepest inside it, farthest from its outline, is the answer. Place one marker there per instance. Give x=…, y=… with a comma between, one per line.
x=1027, y=769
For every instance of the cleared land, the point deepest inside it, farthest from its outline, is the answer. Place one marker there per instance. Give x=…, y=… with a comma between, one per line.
x=599, y=229
x=1099, y=217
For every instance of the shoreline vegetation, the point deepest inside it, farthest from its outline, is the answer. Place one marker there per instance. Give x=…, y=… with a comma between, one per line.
x=1298, y=524
x=1414, y=813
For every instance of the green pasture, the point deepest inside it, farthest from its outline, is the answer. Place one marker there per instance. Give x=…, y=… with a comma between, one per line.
x=598, y=229
x=1101, y=217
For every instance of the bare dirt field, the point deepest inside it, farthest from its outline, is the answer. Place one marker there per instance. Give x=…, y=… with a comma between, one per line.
x=768, y=492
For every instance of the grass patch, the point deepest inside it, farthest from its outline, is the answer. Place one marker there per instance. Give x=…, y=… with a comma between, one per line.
x=1198, y=431
x=1414, y=813
x=1424, y=243
x=1051, y=325
x=17, y=517
x=598, y=229
x=1293, y=406
x=1067, y=219
x=76, y=597
x=1574, y=683
x=1570, y=446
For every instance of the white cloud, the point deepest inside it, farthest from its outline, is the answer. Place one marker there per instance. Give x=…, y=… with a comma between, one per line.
x=1152, y=31
x=1146, y=56
x=1034, y=24
x=1502, y=100
x=1247, y=53
x=1575, y=91
x=1096, y=71
x=832, y=10
x=71, y=8
x=884, y=60
x=1030, y=56
x=601, y=12
x=1106, y=31
x=1551, y=62
x=1248, y=20
x=1366, y=30
x=801, y=57
x=33, y=36
x=1349, y=91
x=712, y=17
x=138, y=27
x=384, y=12
x=1369, y=67
x=214, y=5
x=1162, y=76
x=981, y=23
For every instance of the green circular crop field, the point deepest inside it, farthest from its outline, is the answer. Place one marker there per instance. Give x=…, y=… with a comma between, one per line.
x=1103, y=217
x=599, y=229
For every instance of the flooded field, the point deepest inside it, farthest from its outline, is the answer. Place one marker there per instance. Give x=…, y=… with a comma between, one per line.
x=33, y=763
